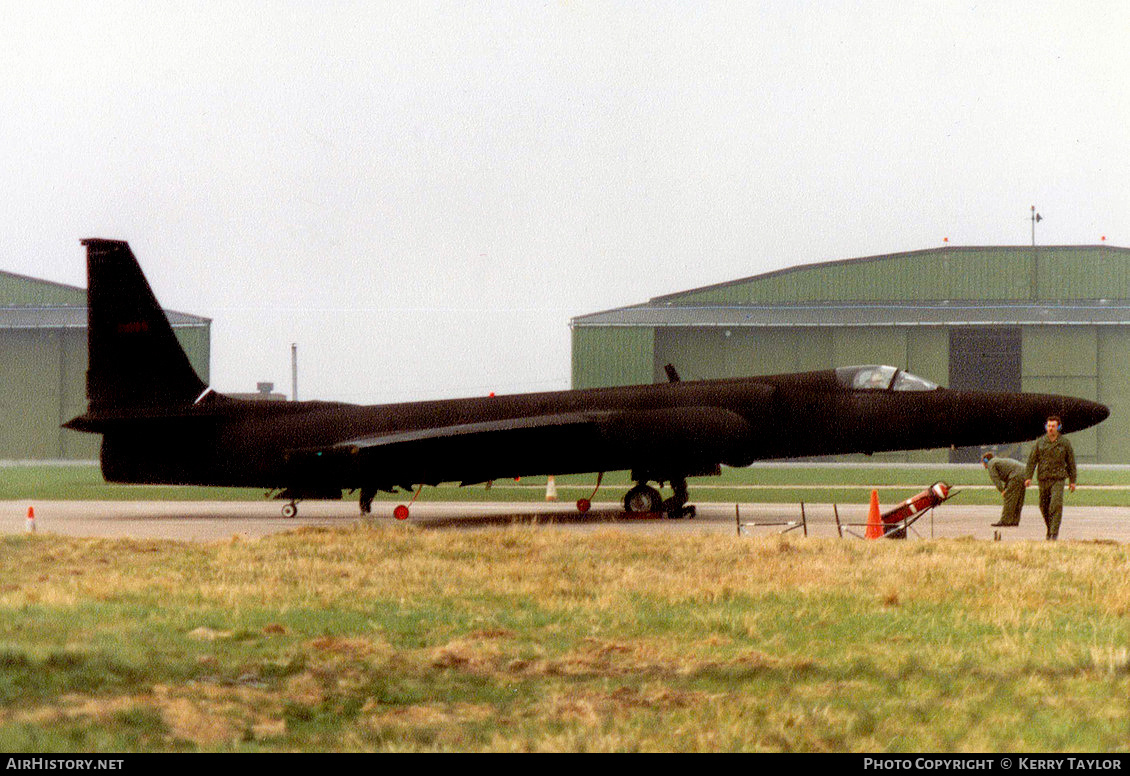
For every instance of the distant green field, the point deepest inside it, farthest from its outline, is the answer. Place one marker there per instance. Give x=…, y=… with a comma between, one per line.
x=759, y=484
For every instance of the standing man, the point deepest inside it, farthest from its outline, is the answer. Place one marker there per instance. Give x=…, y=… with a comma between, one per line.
x=1008, y=476
x=1054, y=459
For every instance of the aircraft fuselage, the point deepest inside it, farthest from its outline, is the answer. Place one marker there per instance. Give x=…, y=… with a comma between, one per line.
x=663, y=431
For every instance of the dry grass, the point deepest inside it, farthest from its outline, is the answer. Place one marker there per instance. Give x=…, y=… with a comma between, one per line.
x=393, y=638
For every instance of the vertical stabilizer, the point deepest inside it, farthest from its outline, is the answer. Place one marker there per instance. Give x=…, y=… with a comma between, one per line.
x=135, y=359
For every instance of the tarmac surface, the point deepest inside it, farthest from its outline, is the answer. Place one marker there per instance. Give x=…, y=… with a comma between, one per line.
x=221, y=520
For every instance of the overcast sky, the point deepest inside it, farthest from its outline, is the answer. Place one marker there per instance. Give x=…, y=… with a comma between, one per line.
x=421, y=195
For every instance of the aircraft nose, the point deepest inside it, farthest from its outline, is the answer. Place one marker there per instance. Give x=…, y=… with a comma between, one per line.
x=1083, y=413
x=1075, y=414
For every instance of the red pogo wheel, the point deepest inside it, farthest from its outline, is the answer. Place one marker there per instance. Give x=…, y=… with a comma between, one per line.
x=583, y=505
x=401, y=512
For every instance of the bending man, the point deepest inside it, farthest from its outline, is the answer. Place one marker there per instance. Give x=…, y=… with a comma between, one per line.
x=1008, y=476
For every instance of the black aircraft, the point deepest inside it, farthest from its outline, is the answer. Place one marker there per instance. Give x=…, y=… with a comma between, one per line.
x=161, y=424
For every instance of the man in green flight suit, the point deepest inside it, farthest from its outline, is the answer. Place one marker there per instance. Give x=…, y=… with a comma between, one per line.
x=1008, y=476
x=1054, y=459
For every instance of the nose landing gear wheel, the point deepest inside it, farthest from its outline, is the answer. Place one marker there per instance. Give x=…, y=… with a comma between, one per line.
x=290, y=510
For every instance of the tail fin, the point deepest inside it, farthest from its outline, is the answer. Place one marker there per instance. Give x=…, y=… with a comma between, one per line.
x=135, y=359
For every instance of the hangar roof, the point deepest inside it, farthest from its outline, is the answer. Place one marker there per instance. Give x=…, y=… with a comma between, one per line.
x=977, y=285
x=846, y=314
x=73, y=318
x=31, y=303
x=998, y=273
x=19, y=290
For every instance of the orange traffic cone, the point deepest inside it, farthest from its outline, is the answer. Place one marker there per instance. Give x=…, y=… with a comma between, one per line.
x=551, y=488
x=874, y=524
x=30, y=525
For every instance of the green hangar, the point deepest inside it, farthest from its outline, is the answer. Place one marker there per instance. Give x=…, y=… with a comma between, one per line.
x=1045, y=319
x=43, y=367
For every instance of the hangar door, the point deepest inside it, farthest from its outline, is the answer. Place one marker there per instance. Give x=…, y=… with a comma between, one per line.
x=983, y=358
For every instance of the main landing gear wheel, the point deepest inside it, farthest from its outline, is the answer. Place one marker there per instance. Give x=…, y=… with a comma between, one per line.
x=290, y=510
x=676, y=512
x=643, y=499
x=676, y=506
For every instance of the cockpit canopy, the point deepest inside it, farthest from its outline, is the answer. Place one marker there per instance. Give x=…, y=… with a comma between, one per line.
x=881, y=378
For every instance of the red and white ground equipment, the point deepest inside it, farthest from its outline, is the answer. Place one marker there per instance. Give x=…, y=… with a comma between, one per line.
x=898, y=519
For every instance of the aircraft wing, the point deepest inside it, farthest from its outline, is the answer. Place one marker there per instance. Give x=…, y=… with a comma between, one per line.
x=673, y=438
x=465, y=452
x=490, y=427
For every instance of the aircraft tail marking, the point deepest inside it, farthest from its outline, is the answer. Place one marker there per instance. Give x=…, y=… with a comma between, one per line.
x=135, y=358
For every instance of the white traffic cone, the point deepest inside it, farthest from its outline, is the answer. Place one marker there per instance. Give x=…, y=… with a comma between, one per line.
x=551, y=488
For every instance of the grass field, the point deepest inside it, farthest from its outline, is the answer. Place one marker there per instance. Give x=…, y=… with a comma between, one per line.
x=388, y=637
x=758, y=484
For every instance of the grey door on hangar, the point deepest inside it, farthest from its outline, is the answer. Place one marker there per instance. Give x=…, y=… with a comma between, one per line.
x=984, y=358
